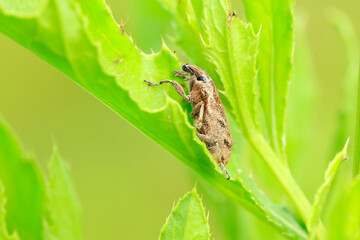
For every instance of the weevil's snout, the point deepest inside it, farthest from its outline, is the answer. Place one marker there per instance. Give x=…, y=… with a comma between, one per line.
x=185, y=68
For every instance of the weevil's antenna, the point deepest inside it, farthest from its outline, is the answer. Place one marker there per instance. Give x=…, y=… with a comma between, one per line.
x=224, y=170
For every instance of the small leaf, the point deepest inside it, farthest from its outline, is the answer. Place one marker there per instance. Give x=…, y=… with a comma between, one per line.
x=3, y=229
x=24, y=188
x=187, y=220
x=62, y=206
x=345, y=216
x=324, y=189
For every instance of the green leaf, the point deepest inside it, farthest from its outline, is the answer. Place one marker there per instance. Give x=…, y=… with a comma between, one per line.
x=3, y=229
x=191, y=37
x=232, y=48
x=345, y=216
x=82, y=40
x=274, y=20
x=187, y=220
x=302, y=101
x=323, y=191
x=24, y=188
x=62, y=206
x=346, y=115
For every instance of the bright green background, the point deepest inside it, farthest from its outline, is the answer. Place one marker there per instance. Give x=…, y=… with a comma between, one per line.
x=126, y=182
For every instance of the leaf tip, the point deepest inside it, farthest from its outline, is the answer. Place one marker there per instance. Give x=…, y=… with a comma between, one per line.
x=347, y=142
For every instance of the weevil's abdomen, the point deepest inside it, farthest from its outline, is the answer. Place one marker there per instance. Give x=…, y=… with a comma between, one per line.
x=216, y=126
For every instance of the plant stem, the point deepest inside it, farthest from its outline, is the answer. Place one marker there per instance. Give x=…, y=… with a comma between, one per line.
x=357, y=134
x=284, y=176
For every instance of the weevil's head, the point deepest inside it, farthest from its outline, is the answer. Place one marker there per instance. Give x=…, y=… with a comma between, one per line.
x=200, y=74
x=187, y=68
x=201, y=77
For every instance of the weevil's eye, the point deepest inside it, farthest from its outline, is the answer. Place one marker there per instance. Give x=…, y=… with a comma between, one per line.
x=202, y=78
x=185, y=68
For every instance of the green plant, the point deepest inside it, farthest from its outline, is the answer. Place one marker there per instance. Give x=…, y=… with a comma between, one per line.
x=30, y=206
x=187, y=220
x=250, y=63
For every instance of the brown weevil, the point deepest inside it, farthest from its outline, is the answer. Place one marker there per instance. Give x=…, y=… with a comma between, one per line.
x=210, y=121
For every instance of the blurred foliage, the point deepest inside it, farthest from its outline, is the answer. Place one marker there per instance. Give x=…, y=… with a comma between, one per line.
x=24, y=188
x=322, y=193
x=347, y=109
x=102, y=59
x=34, y=210
x=3, y=228
x=62, y=206
x=306, y=144
x=345, y=216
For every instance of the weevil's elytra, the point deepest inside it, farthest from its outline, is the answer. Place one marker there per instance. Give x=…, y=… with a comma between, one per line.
x=209, y=116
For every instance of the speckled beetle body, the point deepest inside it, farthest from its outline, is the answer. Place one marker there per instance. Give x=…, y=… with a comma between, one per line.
x=208, y=112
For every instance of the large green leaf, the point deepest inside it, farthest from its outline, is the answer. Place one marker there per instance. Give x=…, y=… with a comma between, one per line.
x=24, y=188
x=62, y=206
x=187, y=220
x=324, y=189
x=274, y=20
x=3, y=229
x=82, y=40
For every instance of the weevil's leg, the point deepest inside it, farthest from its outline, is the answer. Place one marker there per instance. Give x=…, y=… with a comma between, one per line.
x=219, y=160
x=224, y=170
x=180, y=73
x=197, y=109
x=206, y=139
x=183, y=74
x=151, y=83
x=190, y=78
x=201, y=113
x=179, y=89
x=198, y=125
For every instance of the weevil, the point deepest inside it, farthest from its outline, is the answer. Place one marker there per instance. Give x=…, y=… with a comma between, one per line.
x=210, y=121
